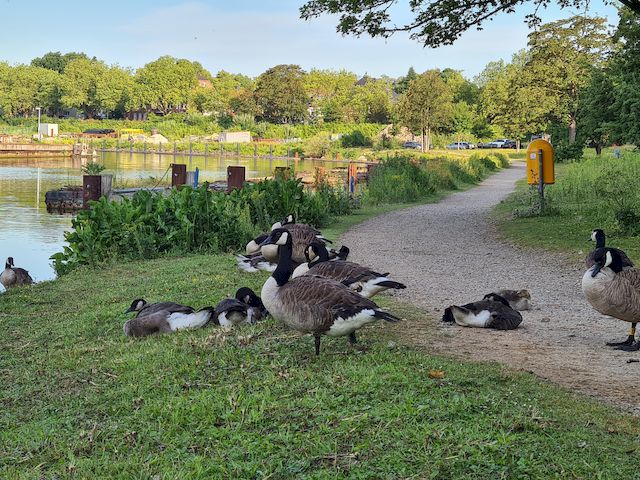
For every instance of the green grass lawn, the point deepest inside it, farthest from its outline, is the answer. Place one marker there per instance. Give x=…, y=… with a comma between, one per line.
x=78, y=399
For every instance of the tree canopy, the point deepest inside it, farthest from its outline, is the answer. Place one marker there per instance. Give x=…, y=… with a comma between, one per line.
x=433, y=22
x=281, y=95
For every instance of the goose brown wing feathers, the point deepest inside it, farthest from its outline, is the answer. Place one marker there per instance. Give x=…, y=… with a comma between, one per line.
x=167, y=307
x=342, y=271
x=314, y=302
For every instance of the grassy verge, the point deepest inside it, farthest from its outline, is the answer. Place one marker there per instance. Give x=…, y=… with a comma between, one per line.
x=599, y=192
x=80, y=400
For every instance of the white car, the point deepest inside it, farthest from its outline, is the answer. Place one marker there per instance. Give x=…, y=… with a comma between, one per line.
x=458, y=146
x=497, y=143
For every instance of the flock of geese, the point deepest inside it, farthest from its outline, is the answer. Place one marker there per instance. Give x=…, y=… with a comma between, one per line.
x=316, y=290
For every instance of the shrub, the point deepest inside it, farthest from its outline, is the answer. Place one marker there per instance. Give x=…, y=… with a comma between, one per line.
x=189, y=220
x=565, y=152
x=318, y=146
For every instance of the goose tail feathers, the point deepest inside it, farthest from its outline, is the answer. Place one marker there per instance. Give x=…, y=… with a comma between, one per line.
x=389, y=317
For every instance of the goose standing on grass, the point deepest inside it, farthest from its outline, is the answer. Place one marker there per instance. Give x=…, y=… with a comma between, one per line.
x=357, y=277
x=246, y=307
x=517, y=299
x=614, y=291
x=598, y=236
x=13, y=276
x=313, y=304
x=490, y=313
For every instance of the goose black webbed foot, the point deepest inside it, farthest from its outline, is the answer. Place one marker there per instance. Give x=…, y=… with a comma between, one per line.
x=628, y=342
x=633, y=347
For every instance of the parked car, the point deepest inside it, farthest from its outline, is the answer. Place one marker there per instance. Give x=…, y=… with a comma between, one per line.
x=460, y=146
x=99, y=131
x=509, y=144
x=497, y=143
x=415, y=145
x=471, y=145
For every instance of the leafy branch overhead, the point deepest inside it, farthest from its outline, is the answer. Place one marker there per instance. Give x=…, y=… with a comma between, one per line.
x=433, y=23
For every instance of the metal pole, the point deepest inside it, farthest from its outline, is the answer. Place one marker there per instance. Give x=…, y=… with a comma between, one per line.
x=541, y=180
x=39, y=134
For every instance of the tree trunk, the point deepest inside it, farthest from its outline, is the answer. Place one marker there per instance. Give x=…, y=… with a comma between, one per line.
x=424, y=135
x=572, y=130
x=518, y=145
x=598, y=149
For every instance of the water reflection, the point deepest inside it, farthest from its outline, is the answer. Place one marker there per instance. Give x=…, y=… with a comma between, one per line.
x=31, y=235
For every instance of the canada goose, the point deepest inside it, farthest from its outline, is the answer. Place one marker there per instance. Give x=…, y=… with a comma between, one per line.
x=14, y=276
x=598, y=236
x=255, y=263
x=313, y=304
x=341, y=254
x=495, y=313
x=246, y=307
x=357, y=277
x=253, y=247
x=517, y=299
x=614, y=291
x=290, y=224
x=142, y=308
x=163, y=321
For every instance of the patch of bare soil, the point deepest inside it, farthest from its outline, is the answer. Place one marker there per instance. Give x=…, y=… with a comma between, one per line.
x=449, y=253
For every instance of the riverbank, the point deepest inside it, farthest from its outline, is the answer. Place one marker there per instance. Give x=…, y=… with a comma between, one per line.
x=82, y=399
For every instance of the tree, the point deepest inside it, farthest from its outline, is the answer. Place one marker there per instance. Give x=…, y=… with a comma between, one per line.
x=426, y=105
x=94, y=87
x=280, y=94
x=562, y=56
x=625, y=66
x=56, y=61
x=165, y=85
x=370, y=102
x=402, y=84
x=431, y=22
x=597, y=113
x=328, y=91
x=23, y=88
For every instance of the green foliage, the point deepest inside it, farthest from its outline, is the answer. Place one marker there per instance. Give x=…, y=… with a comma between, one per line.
x=93, y=168
x=356, y=139
x=409, y=179
x=427, y=104
x=57, y=61
x=280, y=94
x=565, y=152
x=318, y=146
x=189, y=220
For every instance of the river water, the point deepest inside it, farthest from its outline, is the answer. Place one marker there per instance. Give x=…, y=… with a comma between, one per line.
x=31, y=235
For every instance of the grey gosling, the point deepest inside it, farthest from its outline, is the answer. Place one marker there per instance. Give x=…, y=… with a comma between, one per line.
x=13, y=276
x=246, y=307
x=518, y=299
x=614, y=291
x=355, y=276
x=491, y=313
x=313, y=304
x=598, y=236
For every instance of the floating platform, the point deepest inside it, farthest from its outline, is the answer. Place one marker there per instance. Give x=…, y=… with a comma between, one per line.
x=35, y=150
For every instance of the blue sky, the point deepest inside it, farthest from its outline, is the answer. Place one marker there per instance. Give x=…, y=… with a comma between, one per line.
x=243, y=36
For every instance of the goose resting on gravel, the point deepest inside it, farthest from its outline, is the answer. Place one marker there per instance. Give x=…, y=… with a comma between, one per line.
x=518, y=299
x=355, y=276
x=312, y=304
x=494, y=312
x=598, y=236
x=614, y=291
x=13, y=276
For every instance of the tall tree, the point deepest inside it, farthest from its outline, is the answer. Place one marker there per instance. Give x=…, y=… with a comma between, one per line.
x=94, y=87
x=598, y=113
x=431, y=22
x=561, y=58
x=426, y=105
x=57, y=61
x=165, y=84
x=328, y=91
x=24, y=87
x=280, y=94
x=402, y=84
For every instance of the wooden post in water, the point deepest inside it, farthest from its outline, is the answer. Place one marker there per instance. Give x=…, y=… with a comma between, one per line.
x=178, y=174
x=235, y=178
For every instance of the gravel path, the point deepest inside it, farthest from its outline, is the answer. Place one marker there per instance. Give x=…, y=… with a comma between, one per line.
x=450, y=253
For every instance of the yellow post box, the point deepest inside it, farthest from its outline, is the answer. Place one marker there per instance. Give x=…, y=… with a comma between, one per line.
x=534, y=150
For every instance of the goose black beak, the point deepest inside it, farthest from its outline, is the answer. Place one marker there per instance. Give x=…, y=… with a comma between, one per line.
x=596, y=270
x=266, y=241
x=130, y=309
